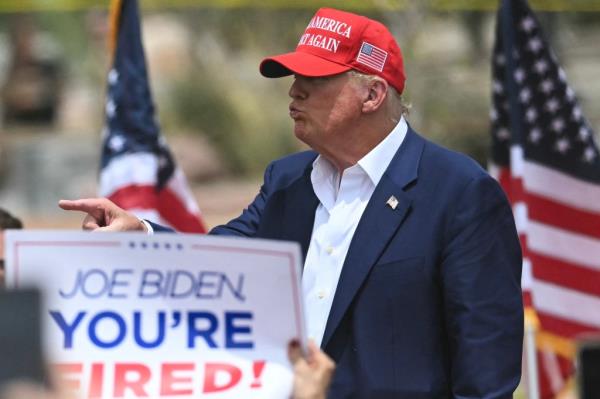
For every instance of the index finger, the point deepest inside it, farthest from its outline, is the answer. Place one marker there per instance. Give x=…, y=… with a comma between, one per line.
x=87, y=205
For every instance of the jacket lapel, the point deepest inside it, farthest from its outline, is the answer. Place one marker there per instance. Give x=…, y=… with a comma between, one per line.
x=299, y=211
x=377, y=226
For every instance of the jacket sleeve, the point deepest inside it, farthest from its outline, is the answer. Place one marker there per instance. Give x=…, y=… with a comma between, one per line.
x=246, y=225
x=481, y=274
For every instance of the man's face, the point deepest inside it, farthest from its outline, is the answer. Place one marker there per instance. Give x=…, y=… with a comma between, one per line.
x=324, y=108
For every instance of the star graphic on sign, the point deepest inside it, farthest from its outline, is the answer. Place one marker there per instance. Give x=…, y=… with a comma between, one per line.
x=527, y=24
x=113, y=77
x=570, y=93
x=589, y=154
x=534, y=44
x=562, y=145
x=493, y=114
x=116, y=143
x=110, y=108
x=547, y=86
x=525, y=95
x=500, y=59
x=535, y=135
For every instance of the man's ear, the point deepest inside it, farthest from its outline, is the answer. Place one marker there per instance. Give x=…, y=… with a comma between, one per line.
x=378, y=91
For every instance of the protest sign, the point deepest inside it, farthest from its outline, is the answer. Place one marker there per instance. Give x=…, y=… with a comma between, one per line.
x=165, y=315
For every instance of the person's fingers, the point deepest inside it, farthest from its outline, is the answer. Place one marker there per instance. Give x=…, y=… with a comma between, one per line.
x=84, y=205
x=109, y=228
x=313, y=351
x=294, y=352
x=90, y=223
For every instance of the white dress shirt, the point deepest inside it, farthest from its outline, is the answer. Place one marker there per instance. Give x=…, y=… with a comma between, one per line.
x=343, y=200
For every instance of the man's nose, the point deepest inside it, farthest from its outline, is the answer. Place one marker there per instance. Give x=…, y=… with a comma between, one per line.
x=297, y=91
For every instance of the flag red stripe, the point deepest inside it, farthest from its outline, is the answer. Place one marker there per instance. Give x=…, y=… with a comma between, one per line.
x=562, y=216
x=563, y=327
x=172, y=209
x=168, y=205
x=565, y=368
x=565, y=274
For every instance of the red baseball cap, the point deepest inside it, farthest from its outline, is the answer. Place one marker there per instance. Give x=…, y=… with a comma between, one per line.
x=336, y=41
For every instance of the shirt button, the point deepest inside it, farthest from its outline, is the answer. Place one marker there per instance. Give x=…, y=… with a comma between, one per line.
x=329, y=250
x=322, y=294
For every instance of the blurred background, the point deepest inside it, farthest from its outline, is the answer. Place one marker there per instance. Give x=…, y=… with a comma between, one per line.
x=223, y=121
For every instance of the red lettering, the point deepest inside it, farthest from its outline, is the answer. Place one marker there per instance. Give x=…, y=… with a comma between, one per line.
x=169, y=379
x=96, y=380
x=257, y=369
x=211, y=371
x=140, y=375
x=73, y=383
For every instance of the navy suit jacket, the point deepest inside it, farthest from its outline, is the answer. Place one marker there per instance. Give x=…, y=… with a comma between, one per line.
x=428, y=304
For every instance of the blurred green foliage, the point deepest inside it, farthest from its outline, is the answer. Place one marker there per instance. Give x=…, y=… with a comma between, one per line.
x=222, y=96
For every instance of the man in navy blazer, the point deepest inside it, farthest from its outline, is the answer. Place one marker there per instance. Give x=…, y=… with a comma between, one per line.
x=412, y=260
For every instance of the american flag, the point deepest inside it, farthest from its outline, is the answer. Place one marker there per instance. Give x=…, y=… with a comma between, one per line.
x=545, y=156
x=372, y=56
x=138, y=171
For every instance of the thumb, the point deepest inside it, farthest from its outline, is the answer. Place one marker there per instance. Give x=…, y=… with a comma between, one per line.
x=294, y=351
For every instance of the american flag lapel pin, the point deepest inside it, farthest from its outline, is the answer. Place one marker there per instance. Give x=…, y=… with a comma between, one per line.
x=392, y=202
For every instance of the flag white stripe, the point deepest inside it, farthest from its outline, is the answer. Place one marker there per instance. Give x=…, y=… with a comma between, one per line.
x=561, y=187
x=567, y=304
x=127, y=170
x=521, y=216
x=517, y=161
x=370, y=63
x=178, y=185
x=552, y=369
x=564, y=245
x=526, y=275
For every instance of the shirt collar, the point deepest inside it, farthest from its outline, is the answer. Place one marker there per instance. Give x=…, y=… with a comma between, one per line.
x=378, y=159
x=374, y=164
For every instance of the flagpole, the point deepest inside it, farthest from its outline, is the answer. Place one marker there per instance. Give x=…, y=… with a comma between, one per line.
x=530, y=328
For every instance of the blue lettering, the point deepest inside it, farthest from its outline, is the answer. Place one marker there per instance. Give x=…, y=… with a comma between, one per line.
x=151, y=284
x=67, y=328
x=232, y=329
x=176, y=284
x=103, y=287
x=205, y=333
x=118, y=283
x=137, y=330
x=122, y=329
x=74, y=289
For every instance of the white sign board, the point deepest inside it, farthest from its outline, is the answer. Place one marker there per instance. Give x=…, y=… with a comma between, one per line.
x=163, y=316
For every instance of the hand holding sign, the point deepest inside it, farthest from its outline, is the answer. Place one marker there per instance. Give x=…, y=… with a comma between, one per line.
x=312, y=374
